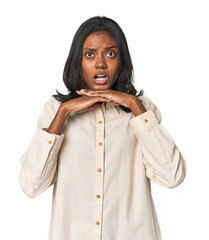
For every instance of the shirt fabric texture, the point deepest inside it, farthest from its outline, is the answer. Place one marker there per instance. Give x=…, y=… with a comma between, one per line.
x=100, y=168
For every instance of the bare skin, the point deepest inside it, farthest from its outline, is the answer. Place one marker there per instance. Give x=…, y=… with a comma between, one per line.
x=100, y=55
x=76, y=105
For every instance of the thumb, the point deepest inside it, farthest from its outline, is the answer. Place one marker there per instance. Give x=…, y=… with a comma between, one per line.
x=95, y=106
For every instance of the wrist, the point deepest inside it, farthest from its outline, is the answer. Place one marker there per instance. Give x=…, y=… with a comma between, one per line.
x=63, y=110
x=137, y=107
x=58, y=121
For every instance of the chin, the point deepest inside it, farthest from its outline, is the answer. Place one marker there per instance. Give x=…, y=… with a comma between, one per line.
x=101, y=87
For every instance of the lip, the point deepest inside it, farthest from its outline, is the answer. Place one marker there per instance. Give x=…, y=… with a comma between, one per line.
x=103, y=80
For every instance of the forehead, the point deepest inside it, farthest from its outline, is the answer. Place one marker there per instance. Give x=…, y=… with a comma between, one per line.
x=99, y=39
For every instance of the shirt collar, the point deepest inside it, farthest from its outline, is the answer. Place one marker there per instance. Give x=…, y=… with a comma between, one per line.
x=107, y=105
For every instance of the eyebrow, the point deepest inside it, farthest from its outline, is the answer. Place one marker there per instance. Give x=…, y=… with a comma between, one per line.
x=94, y=49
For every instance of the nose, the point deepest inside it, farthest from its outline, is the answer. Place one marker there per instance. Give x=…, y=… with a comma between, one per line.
x=100, y=62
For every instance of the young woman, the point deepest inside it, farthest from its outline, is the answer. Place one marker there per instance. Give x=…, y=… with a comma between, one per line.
x=100, y=145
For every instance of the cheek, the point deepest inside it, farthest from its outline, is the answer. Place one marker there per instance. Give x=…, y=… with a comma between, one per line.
x=115, y=65
x=85, y=68
x=115, y=70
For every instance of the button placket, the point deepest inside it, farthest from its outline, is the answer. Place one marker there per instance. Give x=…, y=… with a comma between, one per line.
x=99, y=185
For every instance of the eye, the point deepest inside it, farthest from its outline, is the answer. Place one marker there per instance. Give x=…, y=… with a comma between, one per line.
x=111, y=54
x=89, y=55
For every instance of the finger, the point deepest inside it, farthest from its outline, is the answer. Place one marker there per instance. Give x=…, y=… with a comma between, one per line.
x=81, y=92
x=106, y=99
x=101, y=99
x=114, y=103
x=101, y=95
x=95, y=106
x=84, y=91
x=91, y=92
x=95, y=99
x=95, y=93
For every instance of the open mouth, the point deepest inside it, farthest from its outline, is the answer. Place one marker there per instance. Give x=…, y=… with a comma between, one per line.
x=100, y=79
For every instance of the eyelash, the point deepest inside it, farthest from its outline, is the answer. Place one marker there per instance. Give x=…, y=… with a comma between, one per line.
x=114, y=54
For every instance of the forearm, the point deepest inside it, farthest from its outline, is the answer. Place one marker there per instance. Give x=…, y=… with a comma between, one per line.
x=58, y=121
x=137, y=107
x=38, y=163
x=162, y=159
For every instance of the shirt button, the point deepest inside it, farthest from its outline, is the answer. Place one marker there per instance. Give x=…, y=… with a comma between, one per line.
x=99, y=170
x=100, y=122
x=145, y=120
x=49, y=141
x=100, y=143
x=97, y=222
x=98, y=196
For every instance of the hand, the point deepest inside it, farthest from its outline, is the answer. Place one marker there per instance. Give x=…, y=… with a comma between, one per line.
x=115, y=97
x=76, y=105
x=83, y=104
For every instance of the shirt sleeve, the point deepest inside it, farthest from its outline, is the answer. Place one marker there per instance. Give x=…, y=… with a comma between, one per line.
x=39, y=162
x=164, y=163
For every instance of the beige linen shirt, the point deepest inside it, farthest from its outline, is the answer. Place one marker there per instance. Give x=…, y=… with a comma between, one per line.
x=100, y=169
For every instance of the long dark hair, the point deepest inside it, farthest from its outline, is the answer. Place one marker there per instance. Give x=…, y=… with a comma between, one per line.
x=72, y=76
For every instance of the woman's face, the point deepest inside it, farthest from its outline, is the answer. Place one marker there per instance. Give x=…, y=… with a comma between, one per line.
x=100, y=61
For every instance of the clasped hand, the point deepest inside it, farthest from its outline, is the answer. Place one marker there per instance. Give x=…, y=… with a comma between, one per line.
x=115, y=97
x=91, y=99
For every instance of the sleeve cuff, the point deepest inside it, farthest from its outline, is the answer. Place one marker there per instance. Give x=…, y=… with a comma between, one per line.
x=144, y=122
x=47, y=140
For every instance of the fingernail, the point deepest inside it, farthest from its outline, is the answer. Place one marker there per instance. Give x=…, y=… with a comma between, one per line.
x=82, y=90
